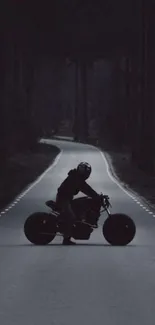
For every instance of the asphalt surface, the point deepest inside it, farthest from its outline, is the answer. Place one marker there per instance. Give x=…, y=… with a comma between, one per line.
x=92, y=283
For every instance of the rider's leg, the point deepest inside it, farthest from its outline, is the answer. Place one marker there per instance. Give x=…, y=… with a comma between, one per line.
x=70, y=219
x=68, y=214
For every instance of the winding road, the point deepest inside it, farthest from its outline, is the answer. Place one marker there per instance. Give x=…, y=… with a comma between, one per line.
x=92, y=283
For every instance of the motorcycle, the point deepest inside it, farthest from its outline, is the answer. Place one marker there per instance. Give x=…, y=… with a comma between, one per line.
x=119, y=229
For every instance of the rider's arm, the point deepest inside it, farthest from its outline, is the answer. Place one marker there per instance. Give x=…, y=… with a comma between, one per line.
x=88, y=190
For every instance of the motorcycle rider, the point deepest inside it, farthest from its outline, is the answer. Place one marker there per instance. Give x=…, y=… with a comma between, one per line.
x=71, y=186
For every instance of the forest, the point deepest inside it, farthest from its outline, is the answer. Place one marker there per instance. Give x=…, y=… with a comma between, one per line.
x=88, y=63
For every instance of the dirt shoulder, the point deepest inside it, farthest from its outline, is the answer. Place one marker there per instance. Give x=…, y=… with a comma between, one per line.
x=23, y=169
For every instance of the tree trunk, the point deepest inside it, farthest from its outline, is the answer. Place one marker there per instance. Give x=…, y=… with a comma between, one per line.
x=144, y=154
x=76, y=108
x=84, y=113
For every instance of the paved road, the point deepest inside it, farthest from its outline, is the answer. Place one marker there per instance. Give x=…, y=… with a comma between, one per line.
x=92, y=283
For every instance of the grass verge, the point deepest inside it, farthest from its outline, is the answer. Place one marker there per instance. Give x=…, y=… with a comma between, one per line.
x=23, y=169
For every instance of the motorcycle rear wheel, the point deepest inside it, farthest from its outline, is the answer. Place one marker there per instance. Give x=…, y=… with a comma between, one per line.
x=40, y=228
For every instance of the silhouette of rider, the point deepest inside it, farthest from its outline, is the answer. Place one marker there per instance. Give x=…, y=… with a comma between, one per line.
x=71, y=186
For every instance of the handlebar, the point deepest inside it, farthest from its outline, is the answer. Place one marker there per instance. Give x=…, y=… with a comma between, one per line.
x=105, y=201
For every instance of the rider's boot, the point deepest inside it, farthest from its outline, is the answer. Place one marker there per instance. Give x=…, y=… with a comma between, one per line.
x=67, y=241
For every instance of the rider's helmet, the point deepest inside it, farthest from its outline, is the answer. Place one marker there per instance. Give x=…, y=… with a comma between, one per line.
x=84, y=170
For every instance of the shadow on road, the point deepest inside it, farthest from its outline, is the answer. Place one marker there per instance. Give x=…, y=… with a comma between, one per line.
x=77, y=245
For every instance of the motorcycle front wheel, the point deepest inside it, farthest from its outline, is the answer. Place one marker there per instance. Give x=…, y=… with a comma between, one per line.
x=119, y=229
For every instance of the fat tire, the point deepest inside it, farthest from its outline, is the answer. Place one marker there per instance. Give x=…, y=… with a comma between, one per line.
x=119, y=229
x=36, y=224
